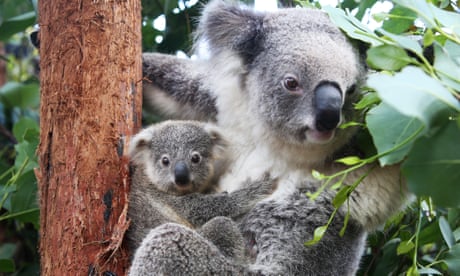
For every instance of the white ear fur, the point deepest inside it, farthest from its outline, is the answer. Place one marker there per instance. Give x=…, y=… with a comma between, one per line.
x=220, y=144
x=140, y=142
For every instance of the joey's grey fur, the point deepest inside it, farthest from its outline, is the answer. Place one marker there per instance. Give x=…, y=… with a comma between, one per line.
x=279, y=84
x=174, y=164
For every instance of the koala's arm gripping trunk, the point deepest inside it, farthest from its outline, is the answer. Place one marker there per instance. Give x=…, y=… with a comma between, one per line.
x=175, y=87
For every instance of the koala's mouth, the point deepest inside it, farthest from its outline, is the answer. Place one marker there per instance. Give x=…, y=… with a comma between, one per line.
x=314, y=136
x=319, y=137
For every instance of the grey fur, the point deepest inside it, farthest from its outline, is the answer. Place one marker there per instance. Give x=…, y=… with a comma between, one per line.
x=157, y=198
x=277, y=81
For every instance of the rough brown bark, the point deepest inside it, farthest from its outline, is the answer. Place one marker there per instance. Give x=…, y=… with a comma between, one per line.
x=90, y=75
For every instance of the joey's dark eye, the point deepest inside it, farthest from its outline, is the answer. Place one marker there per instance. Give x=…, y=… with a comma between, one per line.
x=165, y=160
x=291, y=83
x=351, y=89
x=196, y=158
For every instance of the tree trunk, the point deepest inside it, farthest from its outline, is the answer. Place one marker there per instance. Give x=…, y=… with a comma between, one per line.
x=90, y=75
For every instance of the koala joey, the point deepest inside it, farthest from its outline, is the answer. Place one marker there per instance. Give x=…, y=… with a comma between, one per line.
x=175, y=169
x=279, y=84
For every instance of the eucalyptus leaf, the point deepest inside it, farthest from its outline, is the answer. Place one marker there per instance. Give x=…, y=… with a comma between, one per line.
x=452, y=260
x=349, y=160
x=422, y=8
x=433, y=166
x=15, y=94
x=389, y=128
x=7, y=250
x=352, y=26
x=367, y=100
x=317, y=235
x=429, y=271
x=7, y=265
x=447, y=63
x=22, y=127
x=415, y=94
x=446, y=232
x=16, y=24
x=405, y=247
x=407, y=42
x=341, y=196
x=400, y=20
x=387, y=57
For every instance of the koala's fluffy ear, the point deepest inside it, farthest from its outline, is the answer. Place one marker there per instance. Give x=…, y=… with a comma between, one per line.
x=139, y=143
x=227, y=26
x=220, y=144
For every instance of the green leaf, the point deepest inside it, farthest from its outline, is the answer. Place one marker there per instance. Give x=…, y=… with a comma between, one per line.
x=403, y=41
x=25, y=197
x=400, y=20
x=7, y=250
x=389, y=128
x=367, y=100
x=429, y=271
x=452, y=260
x=317, y=236
x=422, y=8
x=16, y=24
x=446, y=232
x=341, y=196
x=24, y=128
x=350, y=160
x=428, y=38
x=412, y=271
x=433, y=166
x=405, y=247
x=352, y=26
x=7, y=265
x=413, y=93
x=447, y=64
x=387, y=57
x=317, y=175
x=14, y=94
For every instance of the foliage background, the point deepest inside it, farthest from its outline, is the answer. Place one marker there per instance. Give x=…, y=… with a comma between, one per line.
x=412, y=110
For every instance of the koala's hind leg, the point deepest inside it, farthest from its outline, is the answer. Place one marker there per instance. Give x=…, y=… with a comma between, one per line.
x=173, y=249
x=224, y=233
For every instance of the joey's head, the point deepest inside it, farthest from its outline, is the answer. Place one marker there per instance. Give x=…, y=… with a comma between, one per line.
x=178, y=157
x=301, y=73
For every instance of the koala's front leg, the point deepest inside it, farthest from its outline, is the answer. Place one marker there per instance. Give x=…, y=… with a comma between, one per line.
x=224, y=233
x=173, y=249
x=175, y=87
x=200, y=208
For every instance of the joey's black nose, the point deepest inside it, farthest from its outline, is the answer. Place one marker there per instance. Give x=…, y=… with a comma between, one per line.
x=328, y=105
x=181, y=173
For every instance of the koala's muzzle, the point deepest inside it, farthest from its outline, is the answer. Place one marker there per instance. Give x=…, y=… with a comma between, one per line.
x=328, y=105
x=181, y=174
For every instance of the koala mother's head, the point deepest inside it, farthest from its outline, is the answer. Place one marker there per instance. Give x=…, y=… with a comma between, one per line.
x=301, y=72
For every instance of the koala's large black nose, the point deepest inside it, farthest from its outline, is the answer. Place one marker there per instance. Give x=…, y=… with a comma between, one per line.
x=328, y=105
x=181, y=173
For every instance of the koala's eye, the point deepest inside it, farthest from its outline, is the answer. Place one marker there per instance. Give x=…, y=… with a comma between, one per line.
x=165, y=161
x=351, y=89
x=291, y=83
x=196, y=158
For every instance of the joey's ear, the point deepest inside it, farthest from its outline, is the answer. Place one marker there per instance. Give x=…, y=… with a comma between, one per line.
x=227, y=26
x=140, y=142
x=220, y=144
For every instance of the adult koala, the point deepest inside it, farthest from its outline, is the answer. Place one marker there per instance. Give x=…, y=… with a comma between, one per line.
x=279, y=84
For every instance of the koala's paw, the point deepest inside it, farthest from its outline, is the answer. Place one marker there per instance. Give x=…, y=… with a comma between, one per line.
x=262, y=187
